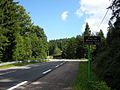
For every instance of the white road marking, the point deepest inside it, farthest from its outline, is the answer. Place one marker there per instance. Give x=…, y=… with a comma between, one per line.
x=17, y=85
x=47, y=71
x=7, y=72
x=61, y=63
x=68, y=60
x=57, y=66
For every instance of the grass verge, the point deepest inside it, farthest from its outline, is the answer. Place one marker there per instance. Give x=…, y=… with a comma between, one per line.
x=82, y=82
x=21, y=64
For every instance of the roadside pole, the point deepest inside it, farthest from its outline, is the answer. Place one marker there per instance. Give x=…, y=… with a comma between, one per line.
x=90, y=40
x=89, y=63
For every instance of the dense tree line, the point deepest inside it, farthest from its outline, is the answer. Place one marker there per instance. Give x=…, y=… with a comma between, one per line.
x=19, y=38
x=72, y=48
x=107, y=57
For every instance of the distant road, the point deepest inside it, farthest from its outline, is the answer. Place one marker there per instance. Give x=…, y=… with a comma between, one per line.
x=12, y=78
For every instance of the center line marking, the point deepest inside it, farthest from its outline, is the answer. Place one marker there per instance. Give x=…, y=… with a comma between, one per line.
x=17, y=85
x=47, y=71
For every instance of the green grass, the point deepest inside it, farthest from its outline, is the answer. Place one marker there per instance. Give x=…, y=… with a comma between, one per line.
x=82, y=82
x=20, y=64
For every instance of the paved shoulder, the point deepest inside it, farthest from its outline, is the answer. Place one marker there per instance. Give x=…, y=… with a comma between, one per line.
x=59, y=79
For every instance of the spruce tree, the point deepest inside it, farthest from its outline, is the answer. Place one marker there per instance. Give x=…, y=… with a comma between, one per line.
x=87, y=31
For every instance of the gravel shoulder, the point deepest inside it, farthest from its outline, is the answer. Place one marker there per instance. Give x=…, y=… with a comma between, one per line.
x=59, y=79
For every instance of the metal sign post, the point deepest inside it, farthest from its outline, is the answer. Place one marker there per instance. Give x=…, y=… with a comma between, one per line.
x=89, y=63
x=91, y=40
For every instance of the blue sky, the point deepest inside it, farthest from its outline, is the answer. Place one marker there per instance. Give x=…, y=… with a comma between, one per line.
x=61, y=18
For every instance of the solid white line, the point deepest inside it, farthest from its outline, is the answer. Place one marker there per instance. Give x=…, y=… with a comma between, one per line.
x=17, y=85
x=7, y=72
x=47, y=71
x=68, y=60
x=57, y=66
x=61, y=63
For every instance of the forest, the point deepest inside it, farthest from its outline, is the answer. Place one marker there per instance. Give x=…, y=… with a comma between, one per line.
x=21, y=40
x=19, y=37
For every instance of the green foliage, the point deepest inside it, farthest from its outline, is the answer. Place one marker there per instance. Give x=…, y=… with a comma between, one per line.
x=82, y=82
x=115, y=7
x=107, y=59
x=106, y=64
x=98, y=85
x=100, y=33
x=57, y=52
x=57, y=45
x=20, y=39
x=81, y=49
x=72, y=48
x=87, y=31
x=19, y=51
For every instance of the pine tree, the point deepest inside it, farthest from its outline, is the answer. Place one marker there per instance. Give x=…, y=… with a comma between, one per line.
x=101, y=34
x=87, y=31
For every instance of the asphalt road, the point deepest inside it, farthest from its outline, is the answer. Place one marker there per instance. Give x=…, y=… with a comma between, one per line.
x=12, y=78
x=61, y=78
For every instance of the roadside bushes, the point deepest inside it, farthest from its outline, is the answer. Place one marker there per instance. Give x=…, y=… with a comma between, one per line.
x=82, y=82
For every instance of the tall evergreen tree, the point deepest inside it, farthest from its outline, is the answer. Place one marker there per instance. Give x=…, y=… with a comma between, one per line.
x=101, y=34
x=87, y=31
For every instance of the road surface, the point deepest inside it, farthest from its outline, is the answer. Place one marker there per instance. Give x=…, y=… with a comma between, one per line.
x=53, y=75
x=13, y=77
x=61, y=78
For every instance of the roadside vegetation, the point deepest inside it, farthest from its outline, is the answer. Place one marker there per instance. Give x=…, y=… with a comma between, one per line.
x=82, y=82
x=21, y=64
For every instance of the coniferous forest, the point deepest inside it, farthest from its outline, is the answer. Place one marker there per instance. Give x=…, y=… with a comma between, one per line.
x=20, y=39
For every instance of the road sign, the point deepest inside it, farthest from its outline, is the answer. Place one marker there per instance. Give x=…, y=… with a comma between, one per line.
x=92, y=40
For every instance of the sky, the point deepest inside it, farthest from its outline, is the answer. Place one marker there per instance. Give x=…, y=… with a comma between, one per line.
x=67, y=18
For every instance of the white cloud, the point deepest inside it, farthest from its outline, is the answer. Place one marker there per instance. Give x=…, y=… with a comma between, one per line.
x=79, y=13
x=95, y=10
x=64, y=15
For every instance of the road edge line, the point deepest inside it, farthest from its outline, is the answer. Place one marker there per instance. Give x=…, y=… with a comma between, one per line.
x=24, y=82
x=47, y=71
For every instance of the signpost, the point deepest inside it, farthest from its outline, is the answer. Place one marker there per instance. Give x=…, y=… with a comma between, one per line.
x=91, y=40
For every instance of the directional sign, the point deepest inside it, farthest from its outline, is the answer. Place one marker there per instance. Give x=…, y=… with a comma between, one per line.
x=92, y=40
